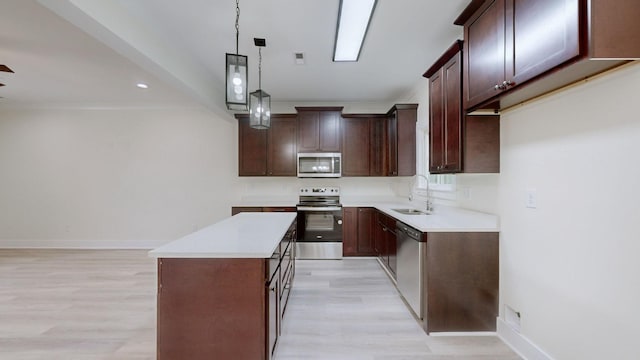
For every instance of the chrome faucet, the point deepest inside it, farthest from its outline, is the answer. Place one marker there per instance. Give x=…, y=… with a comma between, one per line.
x=429, y=205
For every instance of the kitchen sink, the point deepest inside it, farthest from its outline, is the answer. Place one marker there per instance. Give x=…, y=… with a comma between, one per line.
x=411, y=211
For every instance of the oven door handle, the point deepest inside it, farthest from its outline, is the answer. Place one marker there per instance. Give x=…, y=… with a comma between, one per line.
x=319, y=208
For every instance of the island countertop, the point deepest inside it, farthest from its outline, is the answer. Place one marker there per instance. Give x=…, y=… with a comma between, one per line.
x=245, y=235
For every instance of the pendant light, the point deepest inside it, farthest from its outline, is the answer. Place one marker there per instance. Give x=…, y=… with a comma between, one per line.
x=236, y=74
x=260, y=101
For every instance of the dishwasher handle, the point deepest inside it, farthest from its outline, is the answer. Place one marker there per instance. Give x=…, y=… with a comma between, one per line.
x=408, y=231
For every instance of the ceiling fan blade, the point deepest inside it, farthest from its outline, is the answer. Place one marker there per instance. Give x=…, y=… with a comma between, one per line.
x=5, y=68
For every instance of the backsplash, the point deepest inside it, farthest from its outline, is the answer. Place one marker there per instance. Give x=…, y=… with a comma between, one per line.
x=473, y=191
x=251, y=188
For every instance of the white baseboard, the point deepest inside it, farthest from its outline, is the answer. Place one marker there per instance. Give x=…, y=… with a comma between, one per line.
x=520, y=344
x=79, y=244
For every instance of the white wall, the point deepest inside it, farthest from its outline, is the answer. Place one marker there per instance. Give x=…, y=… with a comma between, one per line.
x=113, y=177
x=571, y=266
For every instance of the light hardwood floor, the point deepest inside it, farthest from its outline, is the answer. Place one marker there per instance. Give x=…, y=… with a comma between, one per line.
x=350, y=309
x=100, y=304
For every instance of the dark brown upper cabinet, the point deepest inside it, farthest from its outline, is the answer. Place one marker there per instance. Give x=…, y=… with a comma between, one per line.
x=281, y=146
x=269, y=152
x=371, y=144
x=319, y=129
x=458, y=143
x=401, y=140
x=363, y=145
x=509, y=43
x=445, y=112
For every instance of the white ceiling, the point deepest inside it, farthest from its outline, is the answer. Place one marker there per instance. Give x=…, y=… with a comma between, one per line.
x=92, y=52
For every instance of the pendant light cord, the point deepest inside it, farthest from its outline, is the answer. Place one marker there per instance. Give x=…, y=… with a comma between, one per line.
x=237, y=24
x=259, y=68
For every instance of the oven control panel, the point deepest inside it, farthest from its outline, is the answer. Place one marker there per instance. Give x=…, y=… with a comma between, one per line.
x=310, y=191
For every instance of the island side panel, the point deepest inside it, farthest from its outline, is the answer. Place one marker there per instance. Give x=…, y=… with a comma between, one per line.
x=211, y=309
x=462, y=276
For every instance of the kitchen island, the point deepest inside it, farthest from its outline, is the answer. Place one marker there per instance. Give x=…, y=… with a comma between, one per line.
x=222, y=290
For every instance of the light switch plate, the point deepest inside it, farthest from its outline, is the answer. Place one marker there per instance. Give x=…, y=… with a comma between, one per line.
x=532, y=199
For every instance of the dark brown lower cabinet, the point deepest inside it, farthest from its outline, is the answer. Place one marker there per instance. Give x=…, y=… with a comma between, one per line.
x=358, y=230
x=460, y=281
x=385, y=241
x=460, y=274
x=213, y=308
x=273, y=314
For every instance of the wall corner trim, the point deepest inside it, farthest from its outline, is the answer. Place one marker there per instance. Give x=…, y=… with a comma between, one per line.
x=520, y=344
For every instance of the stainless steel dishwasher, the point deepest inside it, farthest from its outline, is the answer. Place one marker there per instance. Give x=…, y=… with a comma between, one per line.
x=409, y=271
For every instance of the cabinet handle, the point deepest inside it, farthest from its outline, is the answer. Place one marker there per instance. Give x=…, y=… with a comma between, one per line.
x=505, y=84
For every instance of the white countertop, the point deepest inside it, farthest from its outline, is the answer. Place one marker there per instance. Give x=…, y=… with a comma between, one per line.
x=246, y=235
x=443, y=219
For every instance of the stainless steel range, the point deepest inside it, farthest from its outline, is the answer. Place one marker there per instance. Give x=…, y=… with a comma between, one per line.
x=319, y=223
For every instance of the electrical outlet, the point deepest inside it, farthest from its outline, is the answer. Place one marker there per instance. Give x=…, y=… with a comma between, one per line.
x=512, y=317
x=532, y=199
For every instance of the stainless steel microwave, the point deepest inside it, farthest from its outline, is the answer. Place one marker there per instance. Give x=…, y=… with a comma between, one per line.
x=319, y=165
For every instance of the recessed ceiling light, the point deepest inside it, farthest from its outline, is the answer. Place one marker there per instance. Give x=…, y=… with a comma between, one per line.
x=353, y=21
x=142, y=85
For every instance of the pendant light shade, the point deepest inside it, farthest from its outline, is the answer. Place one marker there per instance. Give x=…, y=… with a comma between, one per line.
x=236, y=70
x=259, y=100
x=260, y=110
x=237, y=88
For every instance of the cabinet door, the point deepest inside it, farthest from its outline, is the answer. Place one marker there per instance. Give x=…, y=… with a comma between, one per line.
x=484, y=53
x=540, y=35
x=308, y=131
x=366, y=223
x=319, y=130
x=377, y=150
x=436, y=122
x=355, y=146
x=274, y=314
x=252, y=151
x=282, y=149
x=329, y=128
x=406, y=139
x=392, y=145
x=349, y=231
x=379, y=240
x=392, y=250
x=452, y=114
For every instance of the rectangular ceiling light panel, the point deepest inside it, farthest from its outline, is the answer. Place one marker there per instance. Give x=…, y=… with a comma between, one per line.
x=353, y=22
